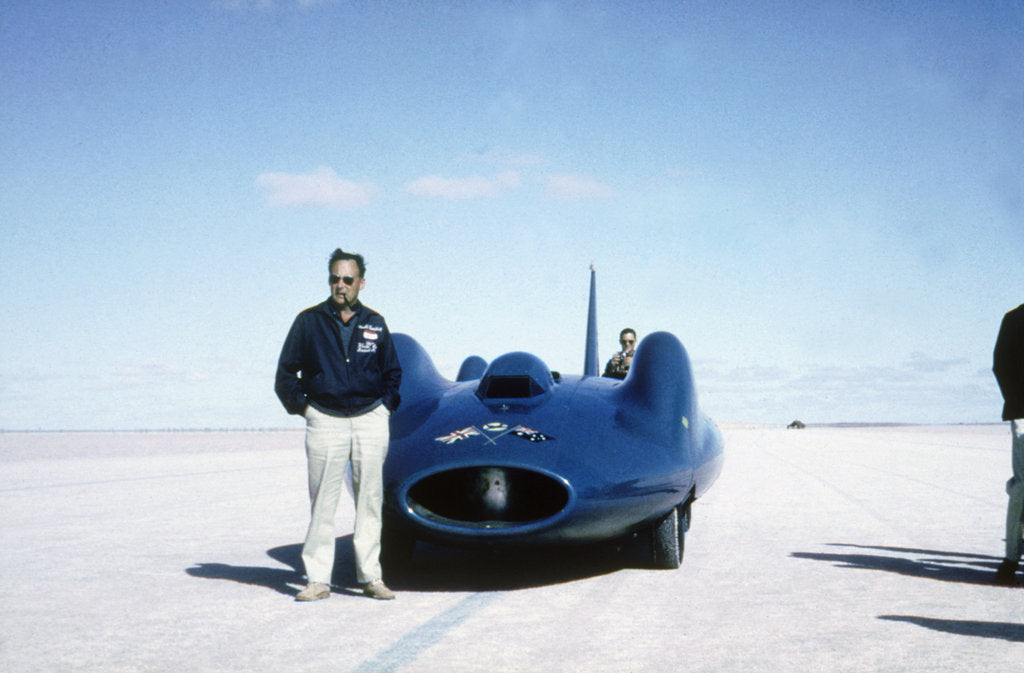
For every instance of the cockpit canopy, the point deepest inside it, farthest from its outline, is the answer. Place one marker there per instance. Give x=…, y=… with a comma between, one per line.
x=518, y=376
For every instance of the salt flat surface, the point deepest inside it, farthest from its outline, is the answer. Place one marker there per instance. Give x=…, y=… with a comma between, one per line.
x=824, y=549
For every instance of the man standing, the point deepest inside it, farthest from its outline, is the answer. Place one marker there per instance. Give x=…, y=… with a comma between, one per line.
x=338, y=368
x=1008, y=366
x=618, y=365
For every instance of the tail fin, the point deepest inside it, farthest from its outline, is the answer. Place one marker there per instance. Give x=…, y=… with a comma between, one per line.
x=590, y=361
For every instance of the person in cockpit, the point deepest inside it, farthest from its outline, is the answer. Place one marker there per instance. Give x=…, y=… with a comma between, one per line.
x=618, y=365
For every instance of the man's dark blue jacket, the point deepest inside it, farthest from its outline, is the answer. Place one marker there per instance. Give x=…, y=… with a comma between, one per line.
x=313, y=368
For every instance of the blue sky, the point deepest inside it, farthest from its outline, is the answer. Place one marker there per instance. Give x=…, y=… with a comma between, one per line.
x=823, y=200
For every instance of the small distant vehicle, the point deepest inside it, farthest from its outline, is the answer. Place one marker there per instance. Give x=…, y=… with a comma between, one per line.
x=511, y=454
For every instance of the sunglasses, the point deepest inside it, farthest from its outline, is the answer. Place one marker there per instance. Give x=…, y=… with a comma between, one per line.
x=347, y=280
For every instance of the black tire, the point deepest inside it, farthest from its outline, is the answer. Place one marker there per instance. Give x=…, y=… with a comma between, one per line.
x=668, y=536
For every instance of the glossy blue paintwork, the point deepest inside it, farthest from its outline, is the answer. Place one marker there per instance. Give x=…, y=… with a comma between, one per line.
x=559, y=458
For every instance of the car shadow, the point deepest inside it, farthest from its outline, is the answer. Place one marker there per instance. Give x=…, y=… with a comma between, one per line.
x=439, y=568
x=942, y=566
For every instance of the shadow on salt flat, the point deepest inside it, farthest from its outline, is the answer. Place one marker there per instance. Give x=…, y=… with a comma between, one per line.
x=288, y=581
x=964, y=627
x=437, y=568
x=943, y=566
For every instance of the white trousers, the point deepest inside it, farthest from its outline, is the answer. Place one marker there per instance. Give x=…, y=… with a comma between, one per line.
x=331, y=444
x=1015, y=489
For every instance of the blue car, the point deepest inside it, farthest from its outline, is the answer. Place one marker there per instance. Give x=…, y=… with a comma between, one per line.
x=513, y=454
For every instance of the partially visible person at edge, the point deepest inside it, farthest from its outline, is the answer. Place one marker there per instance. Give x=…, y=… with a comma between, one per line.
x=1008, y=366
x=338, y=368
x=618, y=366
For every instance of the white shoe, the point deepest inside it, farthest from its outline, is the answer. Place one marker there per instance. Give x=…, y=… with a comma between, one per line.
x=377, y=589
x=314, y=591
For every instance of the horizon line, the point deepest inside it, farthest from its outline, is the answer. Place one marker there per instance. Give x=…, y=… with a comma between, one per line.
x=782, y=424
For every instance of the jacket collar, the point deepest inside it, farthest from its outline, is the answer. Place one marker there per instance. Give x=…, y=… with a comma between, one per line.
x=333, y=308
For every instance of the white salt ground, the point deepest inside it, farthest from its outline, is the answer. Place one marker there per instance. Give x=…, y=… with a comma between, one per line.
x=824, y=549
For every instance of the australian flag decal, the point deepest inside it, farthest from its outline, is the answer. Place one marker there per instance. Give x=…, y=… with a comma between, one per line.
x=523, y=432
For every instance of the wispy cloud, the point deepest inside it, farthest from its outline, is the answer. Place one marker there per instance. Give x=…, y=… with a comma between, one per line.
x=473, y=187
x=914, y=390
x=570, y=187
x=499, y=156
x=242, y=5
x=920, y=362
x=146, y=374
x=323, y=187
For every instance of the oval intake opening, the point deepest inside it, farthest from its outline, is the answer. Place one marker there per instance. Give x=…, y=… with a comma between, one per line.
x=488, y=496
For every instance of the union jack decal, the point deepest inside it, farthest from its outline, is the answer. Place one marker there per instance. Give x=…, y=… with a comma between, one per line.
x=458, y=435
